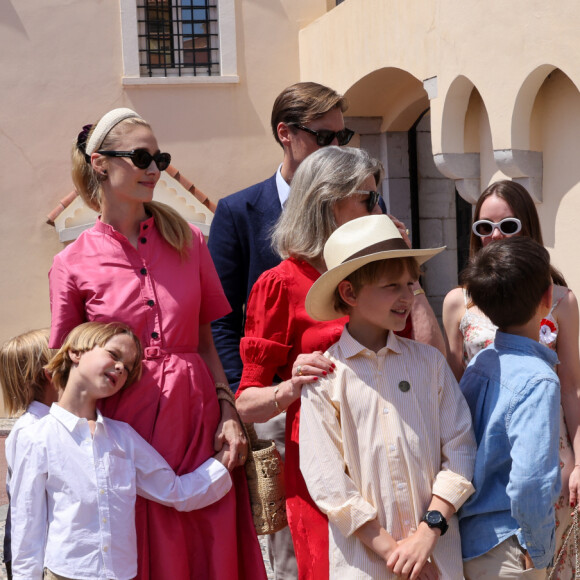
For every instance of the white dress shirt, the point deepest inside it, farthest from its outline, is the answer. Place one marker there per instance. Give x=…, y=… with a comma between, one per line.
x=282, y=187
x=378, y=438
x=73, y=499
x=33, y=413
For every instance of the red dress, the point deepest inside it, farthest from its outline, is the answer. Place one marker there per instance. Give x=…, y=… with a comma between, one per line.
x=278, y=329
x=174, y=406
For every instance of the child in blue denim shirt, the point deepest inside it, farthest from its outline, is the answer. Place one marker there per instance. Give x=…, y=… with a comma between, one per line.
x=513, y=392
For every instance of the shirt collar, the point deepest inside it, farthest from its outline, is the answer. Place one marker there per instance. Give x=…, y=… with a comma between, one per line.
x=104, y=228
x=71, y=421
x=38, y=409
x=507, y=341
x=351, y=347
x=282, y=187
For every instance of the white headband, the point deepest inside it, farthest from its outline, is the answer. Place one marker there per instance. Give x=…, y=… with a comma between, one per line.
x=106, y=123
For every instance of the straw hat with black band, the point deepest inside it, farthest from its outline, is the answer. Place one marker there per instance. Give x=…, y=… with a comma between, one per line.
x=351, y=246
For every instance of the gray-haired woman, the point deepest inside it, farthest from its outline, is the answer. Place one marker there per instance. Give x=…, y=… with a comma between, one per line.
x=283, y=347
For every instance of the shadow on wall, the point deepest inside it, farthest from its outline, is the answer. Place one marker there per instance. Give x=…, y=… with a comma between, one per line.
x=555, y=126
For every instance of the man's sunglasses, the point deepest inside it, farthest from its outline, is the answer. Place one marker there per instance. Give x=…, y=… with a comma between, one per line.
x=325, y=137
x=372, y=200
x=141, y=158
x=507, y=226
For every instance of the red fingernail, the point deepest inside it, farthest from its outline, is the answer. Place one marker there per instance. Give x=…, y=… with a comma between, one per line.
x=314, y=378
x=324, y=372
x=572, y=504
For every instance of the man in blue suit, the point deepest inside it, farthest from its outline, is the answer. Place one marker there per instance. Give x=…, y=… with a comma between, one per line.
x=305, y=117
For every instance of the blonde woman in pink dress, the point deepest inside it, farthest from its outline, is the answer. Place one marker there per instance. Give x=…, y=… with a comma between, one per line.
x=504, y=209
x=143, y=265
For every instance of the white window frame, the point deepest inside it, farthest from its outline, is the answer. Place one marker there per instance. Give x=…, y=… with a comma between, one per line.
x=227, y=49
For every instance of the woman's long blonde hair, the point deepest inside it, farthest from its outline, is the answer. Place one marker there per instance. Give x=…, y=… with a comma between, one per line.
x=172, y=227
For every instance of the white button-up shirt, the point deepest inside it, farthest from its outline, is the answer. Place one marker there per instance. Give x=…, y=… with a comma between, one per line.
x=34, y=413
x=282, y=187
x=73, y=496
x=378, y=438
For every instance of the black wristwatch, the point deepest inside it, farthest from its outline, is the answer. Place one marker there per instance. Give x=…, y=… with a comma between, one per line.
x=435, y=519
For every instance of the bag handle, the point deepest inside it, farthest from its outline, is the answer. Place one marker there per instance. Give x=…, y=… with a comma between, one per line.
x=573, y=528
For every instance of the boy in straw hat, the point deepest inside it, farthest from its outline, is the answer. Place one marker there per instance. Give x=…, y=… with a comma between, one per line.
x=386, y=443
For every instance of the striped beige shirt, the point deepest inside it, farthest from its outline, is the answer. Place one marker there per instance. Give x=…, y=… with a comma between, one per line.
x=378, y=438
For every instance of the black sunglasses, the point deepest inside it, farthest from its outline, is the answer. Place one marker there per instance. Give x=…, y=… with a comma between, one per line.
x=507, y=226
x=141, y=158
x=372, y=200
x=325, y=137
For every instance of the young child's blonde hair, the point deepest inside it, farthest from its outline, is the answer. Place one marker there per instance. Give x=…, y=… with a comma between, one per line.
x=84, y=338
x=22, y=376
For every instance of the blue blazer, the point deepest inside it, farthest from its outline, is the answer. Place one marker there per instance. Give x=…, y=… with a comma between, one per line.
x=239, y=243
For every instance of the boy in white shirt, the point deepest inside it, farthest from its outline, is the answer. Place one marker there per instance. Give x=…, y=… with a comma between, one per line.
x=386, y=443
x=76, y=473
x=27, y=391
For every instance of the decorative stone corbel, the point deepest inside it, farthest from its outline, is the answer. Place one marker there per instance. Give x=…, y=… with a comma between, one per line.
x=523, y=166
x=464, y=169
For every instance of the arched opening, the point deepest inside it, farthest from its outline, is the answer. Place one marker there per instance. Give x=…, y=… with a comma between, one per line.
x=389, y=109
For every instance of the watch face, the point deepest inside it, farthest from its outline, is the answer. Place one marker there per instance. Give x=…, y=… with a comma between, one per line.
x=433, y=518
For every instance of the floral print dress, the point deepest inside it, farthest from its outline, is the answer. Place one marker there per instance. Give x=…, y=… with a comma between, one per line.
x=479, y=332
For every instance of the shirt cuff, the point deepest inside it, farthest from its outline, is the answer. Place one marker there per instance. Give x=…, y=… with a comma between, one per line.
x=352, y=515
x=452, y=487
x=216, y=471
x=219, y=479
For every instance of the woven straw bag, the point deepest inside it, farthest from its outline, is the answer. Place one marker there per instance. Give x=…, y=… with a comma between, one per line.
x=265, y=475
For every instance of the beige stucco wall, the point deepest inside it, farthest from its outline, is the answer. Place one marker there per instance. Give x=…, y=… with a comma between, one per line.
x=61, y=66
x=490, y=89
x=502, y=79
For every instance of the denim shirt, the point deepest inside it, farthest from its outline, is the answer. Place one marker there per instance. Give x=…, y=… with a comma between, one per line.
x=513, y=394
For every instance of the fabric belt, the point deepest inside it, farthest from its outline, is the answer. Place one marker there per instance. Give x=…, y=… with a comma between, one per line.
x=151, y=352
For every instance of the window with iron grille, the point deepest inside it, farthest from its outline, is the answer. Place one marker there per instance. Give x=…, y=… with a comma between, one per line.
x=178, y=38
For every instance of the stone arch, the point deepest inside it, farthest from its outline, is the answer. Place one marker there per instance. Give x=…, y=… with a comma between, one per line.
x=383, y=106
x=523, y=105
x=454, y=111
x=391, y=94
x=389, y=109
x=523, y=162
x=454, y=161
x=555, y=132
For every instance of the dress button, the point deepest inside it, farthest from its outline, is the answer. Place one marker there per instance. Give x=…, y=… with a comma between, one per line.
x=143, y=271
x=101, y=491
x=401, y=485
x=385, y=410
x=143, y=240
x=392, y=448
x=145, y=226
x=105, y=548
x=150, y=302
x=154, y=335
